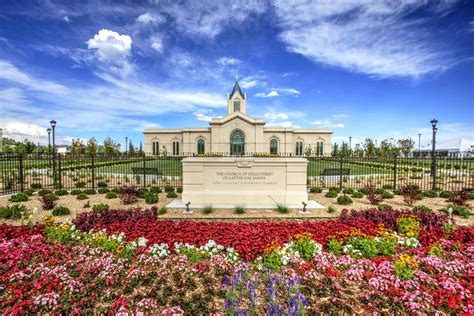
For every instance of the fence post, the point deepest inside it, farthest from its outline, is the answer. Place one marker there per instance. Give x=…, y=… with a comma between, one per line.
x=144, y=171
x=340, y=173
x=395, y=172
x=60, y=172
x=21, y=173
x=93, y=171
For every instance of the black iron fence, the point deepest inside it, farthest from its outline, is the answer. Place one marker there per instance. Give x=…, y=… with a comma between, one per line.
x=22, y=172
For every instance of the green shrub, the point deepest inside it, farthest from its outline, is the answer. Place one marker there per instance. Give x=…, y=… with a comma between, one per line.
x=348, y=191
x=151, y=198
x=397, y=192
x=239, y=210
x=111, y=195
x=15, y=211
x=379, y=191
x=446, y=194
x=142, y=192
x=430, y=194
x=171, y=195
x=458, y=210
x=315, y=190
x=179, y=189
x=82, y=196
x=115, y=190
x=36, y=186
x=163, y=210
x=61, y=210
x=80, y=184
x=364, y=191
x=101, y=207
x=169, y=189
x=384, y=206
x=61, y=192
x=44, y=192
x=357, y=195
x=102, y=184
x=52, y=197
x=421, y=208
x=76, y=192
x=387, y=187
x=90, y=191
x=207, y=210
x=155, y=190
x=103, y=190
x=331, y=194
x=29, y=192
x=344, y=200
x=282, y=208
x=388, y=195
x=331, y=209
x=20, y=197
x=335, y=189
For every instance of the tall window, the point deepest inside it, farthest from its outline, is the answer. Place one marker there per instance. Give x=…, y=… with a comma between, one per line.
x=236, y=106
x=237, y=143
x=299, y=148
x=201, y=146
x=155, y=148
x=273, y=146
x=319, y=148
x=175, y=148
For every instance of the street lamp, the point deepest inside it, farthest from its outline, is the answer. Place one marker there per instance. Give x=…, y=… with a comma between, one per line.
x=419, y=145
x=350, y=142
x=126, y=144
x=433, y=152
x=53, y=125
x=49, y=140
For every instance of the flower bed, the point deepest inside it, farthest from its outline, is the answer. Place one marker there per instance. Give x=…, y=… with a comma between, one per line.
x=142, y=264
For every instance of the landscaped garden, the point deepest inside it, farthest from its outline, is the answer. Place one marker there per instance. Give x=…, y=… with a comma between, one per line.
x=117, y=261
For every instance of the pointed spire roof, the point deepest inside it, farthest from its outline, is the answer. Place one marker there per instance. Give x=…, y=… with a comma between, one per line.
x=236, y=89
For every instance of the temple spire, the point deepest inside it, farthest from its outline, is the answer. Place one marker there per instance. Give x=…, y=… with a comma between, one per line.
x=236, y=89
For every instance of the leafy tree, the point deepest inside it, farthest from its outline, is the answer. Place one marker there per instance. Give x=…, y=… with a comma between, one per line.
x=358, y=151
x=406, y=145
x=91, y=147
x=335, y=149
x=110, y=146
x=369, y=147
x=77, y=146
x=345, y=150
x=131, y=148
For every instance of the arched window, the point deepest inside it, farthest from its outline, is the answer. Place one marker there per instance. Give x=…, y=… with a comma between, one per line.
x=236, y=105
x=155, y=147
x=201, y=146
x=319, y=148
x=237, y=143
x=299, y=148
x=273, y=146
x=176, y=148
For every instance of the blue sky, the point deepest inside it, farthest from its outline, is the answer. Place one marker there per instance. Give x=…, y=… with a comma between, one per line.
x=379, y=69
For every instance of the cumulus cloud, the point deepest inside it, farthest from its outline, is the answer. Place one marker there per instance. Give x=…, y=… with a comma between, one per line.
x=147, y=18
x=228, y=61
x=277, y=92
x=253, y=81
x=381, y=39
x=110, y=45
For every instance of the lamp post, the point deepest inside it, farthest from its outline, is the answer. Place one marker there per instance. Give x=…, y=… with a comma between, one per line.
x=49, y=140
x=126, y=144
x=433, y=152
x=419, y=145
x=53, y=125
x=350, y=143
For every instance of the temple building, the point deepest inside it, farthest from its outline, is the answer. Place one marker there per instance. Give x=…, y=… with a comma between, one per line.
x=237, y=134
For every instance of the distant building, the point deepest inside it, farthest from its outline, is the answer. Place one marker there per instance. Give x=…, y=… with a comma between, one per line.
x=453, y=148
x=63, y=149
x=237, y=134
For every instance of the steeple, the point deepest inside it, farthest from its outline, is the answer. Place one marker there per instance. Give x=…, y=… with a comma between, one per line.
x=236, y=90
x=236, y=101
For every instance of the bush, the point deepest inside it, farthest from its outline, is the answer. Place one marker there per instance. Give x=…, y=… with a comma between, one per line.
x=379, y=191
x=388, y=195
x=397, y=192
x=446, y=194
x=421, y=208
x=430, y=194
x=47, y=203
x=99, y=208
x=348, y=191
x=103, y=190
x=163, y=210
x=335, y=189
x=36, y=186
x=76, y=192
x=142, y=192
x=331, y=194
x=61, y=192
x=53, y=197
x=115, y=190
x=179, y=189
x=128, y=194
x=207, y=210
x=387, y=187
x=331, y=209
x=13, y=211
x=20, y=197
x=410, y=194
x=90, y=191
x=151, y=198
x=171, y=195
x=155, y=190
x=80, y=184
x=460, y=197
x=111, y=195
x=374, y=198
x=364, y=191
x=29, y=192
x=44, y=192
x=384, y=206
x=169, y=189
x=82, y=196
x=344, y=200
x=239, y=210
x=315, y=190
x=281, y=208
x=61, y=210
x=458, y=210
x=102, y=184
x=357, y=195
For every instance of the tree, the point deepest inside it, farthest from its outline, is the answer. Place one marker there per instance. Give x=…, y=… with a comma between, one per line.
x=91, y=147
x=110, y=146
x=406, y=145
x=369, y=147
x=77, y=146
x=358, y=151
x=131, y=149
x=345, y=150
x=335, y=150
x=386, y=147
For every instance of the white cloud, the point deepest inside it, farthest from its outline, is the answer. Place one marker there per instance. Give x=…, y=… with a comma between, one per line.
x=340, y=116
x=67, y=19
x=277, y=92
x=286, y=124
x=147, y=18
x=203, y=115
x=339, y=125
x=321, y=122
x=226, y=61
x=270, y=94
x=110, y=45
x=276, y=116
x=157, y=44
x=326, y=124
x=380, y=39
x=253, y=81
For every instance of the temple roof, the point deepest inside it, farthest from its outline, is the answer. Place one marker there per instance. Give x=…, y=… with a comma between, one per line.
x=236, y=89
